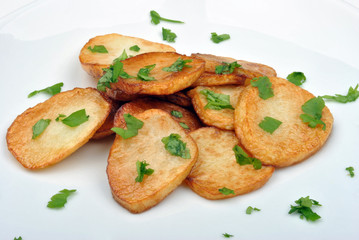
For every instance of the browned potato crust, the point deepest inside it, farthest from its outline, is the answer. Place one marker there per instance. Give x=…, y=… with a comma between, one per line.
x=178, y=98
x=293, y=141
x=105, y=129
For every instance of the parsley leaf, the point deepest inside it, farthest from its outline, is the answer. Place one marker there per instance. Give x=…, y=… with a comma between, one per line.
x=351, y=171
x=264, y=87
x=242, y=158
x=185, y=126
x=76, y=118
x=178, y=65
x=176, y=114
x=168, y=35
x=52, y=90
x=142, y=170
x=352, y=95
x=227, y=235
x=226, y=191
x=122, y=57
x=132, y=123
x=156, y=18
x=313, y=112
x=59, y=200
x=61, y=116
x=227, y=68
x=19, y=238
x=304, y=208
x=216, y=101
x=250, y=209
x=98, y=49
x=175, y=146
x=219, y=38
x=144, y=72
x=135, y=48
x=39, y=127
x=269, y=124
x=297, y=78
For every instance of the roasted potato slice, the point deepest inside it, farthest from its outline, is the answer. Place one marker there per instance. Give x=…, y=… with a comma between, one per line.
x=165, y=83
x=58, y=140
x=169, y=170
x=179, y=98
x=240, y=76
x=140, y=105
x=293, y=141
x=93, y=63
x=223, y=118
x=216, y=166
x=119, y=95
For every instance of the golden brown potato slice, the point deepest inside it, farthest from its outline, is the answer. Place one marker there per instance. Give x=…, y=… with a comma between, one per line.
x=293, y=141
x=165, y=83
x=216, y=166
x=140, y=105
x=169, y=170
x=119, y=95
x=240, y=76
x=58, y=140
x=179, y=98
x=223, y=118
x=93, y=63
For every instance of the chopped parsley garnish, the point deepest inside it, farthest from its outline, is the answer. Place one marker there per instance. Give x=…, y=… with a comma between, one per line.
x=175, y=146
x=216, y=101
x=75, y=119
x=98, y=49
x=264, y=87
x=142, y=170
x=176, y=114
x=313, y=112
x=59, y=200
x=219, y=38
x=351, y=171
x=226, y=191
x=227, y=235
x=242, y=158
x=351, y=96
x=304, y=208
x=183, y=125
x=250, y=209
x=143, y=73
x=132, y=123
x=19, y=238
x=61, y=116
x=39, y=127
x=135, y=48
x=168, y=35
x=297, y=78
x=269, y=124
x=178, y=65
x=52, y=90
x=156, y=18
x=122, y=57
x=227, y=68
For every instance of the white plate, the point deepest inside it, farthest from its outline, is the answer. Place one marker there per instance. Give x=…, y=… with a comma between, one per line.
x=32, y=58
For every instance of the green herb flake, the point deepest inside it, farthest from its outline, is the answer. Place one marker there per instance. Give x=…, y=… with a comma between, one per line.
x=135, y=48
x=313, y=112
x=76, y=118
x=183, y=125
x=19, y=238
x=52, y=90
x=142, y=170
x=352, y=95
x=168, y=35
x=178, y=65
x=122, y=57
x=61, y=116
x=175, y=146
x=304, y=208
x=242, y=158
x=297, y=78
x=216, y=101
x=156, y=18
x=132, y=123
x=59, y=200
x=143, y=73
x=227, y=68
x=351, y=171
x=264, y=87
x=98, y=49
x=219, y=38
x=250, y=209
x=176, y=114
x=227, y=235
x=269, y=124
x=39, y=127
x=226, y=191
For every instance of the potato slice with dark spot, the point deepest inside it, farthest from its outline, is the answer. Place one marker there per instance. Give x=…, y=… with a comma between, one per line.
x=179, y=98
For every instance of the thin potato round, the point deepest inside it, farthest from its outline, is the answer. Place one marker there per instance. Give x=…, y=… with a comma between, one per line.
x=169, y=170
x=93, y=63
x=216, y=166
x=223, y=118
x=166, y=82
x=119, y=95
x=293, y=141
x=179, y=98
x=58, y=140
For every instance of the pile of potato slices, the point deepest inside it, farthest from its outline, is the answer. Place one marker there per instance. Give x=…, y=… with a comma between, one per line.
x=172, y=107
